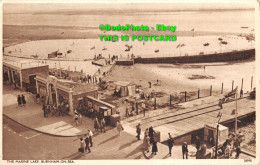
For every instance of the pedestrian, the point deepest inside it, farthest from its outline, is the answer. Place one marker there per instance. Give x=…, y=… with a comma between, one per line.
x=102, y=124
x=185, y=150
x=38, y=98
x=198, y=143
x=237, y=146
x=126, y=111
x=146, y=132
x=76, y=117
x=90, y=134
x=80, y=119
x=23, y=100
x=151, y=133
x=154, y=148
x=138, y=131
x=220, y=103
x=87, y=143
x=170, y=143
x=96, y=124
x=119, y=127
x=146, y=143
x=44, y=109
x=19, y=100
x=82, y=146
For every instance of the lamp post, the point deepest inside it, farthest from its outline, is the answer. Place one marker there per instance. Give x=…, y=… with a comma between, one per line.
x=216, y=150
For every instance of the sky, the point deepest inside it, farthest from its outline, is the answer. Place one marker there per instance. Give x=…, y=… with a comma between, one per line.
x=10, y=7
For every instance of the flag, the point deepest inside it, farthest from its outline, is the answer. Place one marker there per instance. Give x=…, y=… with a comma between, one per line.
x=232, y=93
x=92, y=48
x=192, y=29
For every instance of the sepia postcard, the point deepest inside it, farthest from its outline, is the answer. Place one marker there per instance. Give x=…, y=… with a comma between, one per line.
x=123, y=82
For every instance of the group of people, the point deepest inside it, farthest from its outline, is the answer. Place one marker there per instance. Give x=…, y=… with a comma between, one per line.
x=86, y=142
x=21, y=100
x=149, y=139
x=229, y=146
x=61, y=110
x=99, y=124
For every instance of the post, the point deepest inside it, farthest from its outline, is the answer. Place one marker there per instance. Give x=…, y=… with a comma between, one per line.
x=185, y=94
x=154, y=102
x=251, y=82
x=222, y=88
x=170, y=99
x=210, y=90
x=216, y=150
x=232, y=85
x=242, y=84
x=136, y=107
x=236, y=117
x=198, y=93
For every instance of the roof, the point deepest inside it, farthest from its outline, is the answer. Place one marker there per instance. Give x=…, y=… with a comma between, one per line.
x=214, y=126
x=123, y=83
x=23, y=64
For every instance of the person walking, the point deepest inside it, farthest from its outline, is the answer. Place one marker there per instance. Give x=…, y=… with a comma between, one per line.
x=119, y=127
x=151, y=134
x=170, y=143
x=237, y=146
x=23, y=100
x=87, y=141
x=96, y=124
x=90, y=134
x=198, y=143
x=154, y=148
x=19, y=100
x=76, y=117
x=44, y=109
x=146, y=132
x=82, y=146
x=220, y=103
x=146, y=143
x=185, y=150
x=102, y=125
x=138, y=131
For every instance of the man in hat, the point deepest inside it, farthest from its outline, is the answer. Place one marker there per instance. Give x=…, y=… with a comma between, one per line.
x=170, y=144
x=185, y=150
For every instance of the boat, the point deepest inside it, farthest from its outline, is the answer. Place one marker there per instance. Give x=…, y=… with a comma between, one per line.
x=156, y=51
x=35, y=56
x=244, y=27
x=104, y=48
x=224, y=42
x=206, y=44
x=69, y=51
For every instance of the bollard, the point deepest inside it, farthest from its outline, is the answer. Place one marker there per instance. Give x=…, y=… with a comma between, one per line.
x=170, y=99
x=210, y=90
x=242, y=84
x=154, y=102
x=251, y=82
x=198, y=93
x=185, y=96
x=222, y=88
x=232, y=85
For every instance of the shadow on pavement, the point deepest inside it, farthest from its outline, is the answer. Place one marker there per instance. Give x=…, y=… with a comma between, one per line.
x=127, y=145
x=137, y=149
x=105, y=141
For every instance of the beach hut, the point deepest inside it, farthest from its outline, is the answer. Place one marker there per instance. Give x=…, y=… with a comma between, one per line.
x=210, y=133
x=125, y=88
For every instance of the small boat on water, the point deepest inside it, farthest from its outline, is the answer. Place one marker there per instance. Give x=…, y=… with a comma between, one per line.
x=69, y=51
x=206, y=44
x=244, y=27
x=224, y=42
x=34, y=56
x=104, y=48
x=156, y=51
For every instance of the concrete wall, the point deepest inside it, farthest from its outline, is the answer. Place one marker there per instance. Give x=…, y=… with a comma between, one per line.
x=128, y=62
x=222, y=57
x=32, y=71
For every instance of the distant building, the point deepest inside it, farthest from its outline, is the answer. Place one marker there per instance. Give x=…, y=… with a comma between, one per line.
x=21, y=73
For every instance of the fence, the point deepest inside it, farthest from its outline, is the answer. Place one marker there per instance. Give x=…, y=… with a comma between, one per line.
x=162, y=101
